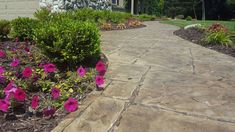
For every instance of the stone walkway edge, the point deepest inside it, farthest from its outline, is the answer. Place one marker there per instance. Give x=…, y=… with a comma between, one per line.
x=157, y=81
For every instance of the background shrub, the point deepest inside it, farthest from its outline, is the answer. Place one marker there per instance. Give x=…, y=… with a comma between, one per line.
x=218, y=34
x=68, y=42
x=189, y=18
x=218, y=38
x=145, y=17
x=43, y=14
x=5, y=28
x=23, y=27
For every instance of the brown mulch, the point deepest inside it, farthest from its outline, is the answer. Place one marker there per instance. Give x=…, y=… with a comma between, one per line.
x=196, y=36
x=114, y=25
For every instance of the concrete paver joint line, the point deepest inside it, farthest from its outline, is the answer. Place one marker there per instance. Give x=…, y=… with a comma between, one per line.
x=131, y=100
x=192, y=63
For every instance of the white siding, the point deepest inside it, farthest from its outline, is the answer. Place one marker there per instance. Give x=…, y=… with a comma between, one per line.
x=10, y=9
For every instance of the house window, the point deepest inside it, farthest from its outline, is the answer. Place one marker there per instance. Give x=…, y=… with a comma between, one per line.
x=116, y=2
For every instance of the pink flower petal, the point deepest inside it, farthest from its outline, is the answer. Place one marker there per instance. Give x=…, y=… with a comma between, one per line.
x=35, y=102
x=81, y=71
x=4, y=105
x=55, y=92
x=99, y=80
x=15, y=62
x=71, y=105
x=100, y=66
x=20, y=94
x=48, y=68
x=27, y=72
x=2, y=54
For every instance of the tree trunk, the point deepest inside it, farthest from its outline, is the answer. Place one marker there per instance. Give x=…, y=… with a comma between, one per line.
x=194, y=11
x=203, y=10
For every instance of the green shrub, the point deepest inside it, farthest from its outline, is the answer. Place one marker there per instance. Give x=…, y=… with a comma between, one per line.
x=23, y=27
x=5, y=28
x=145, y=17
x=85, y=14
x=116, y=17
x=189, y=18
x=43, y=14
x=67, y=41
x=218, y=38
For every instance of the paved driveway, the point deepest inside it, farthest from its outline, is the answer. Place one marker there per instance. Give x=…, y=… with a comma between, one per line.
x=159, y=82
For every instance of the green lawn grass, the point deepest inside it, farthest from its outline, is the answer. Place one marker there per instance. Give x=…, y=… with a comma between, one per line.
x=182, y=23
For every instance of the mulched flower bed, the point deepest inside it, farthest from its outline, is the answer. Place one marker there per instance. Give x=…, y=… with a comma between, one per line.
x=129, y=24
x=195, y=35
x=34, y=94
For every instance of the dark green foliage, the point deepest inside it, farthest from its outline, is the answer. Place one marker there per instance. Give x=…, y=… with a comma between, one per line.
x=145, y=17
x=67, y=41
x=43, y=14
x=85, y=14
x=214, y=9
x=188, y=18
x=23, y=28
x=101, y=15
x=151, y=7
x=5, y=28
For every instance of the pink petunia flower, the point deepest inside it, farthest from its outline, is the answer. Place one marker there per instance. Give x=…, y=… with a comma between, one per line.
x=35, y=102
x=99, y=80
x=20, y=94
x=2, y=54
x=10, y=88
x=2, y=70
x=4, y=105
x=27, y=72
x=48, y=111
x=55, y=92
x=15, y=62
x=71, y=105
x=100, y=66
x=81, y=71
x=49, y=68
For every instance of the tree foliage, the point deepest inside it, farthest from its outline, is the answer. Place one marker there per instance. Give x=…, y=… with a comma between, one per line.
x=151, y=7
x=214, y=9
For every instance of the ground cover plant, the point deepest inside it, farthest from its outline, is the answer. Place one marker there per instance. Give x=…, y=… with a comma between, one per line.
x=34, y=91
x=216, y=37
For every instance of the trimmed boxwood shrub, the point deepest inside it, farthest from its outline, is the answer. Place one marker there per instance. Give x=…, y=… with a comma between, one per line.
x=5, y=28
x=146, y=17
x=22, y=27
x=189, y=18
x=43, y=14
x=68, y=42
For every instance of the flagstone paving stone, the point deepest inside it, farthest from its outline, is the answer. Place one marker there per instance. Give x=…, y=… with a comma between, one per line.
x=160, y=83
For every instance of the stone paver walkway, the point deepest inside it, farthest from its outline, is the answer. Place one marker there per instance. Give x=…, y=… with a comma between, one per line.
x=158, y=82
